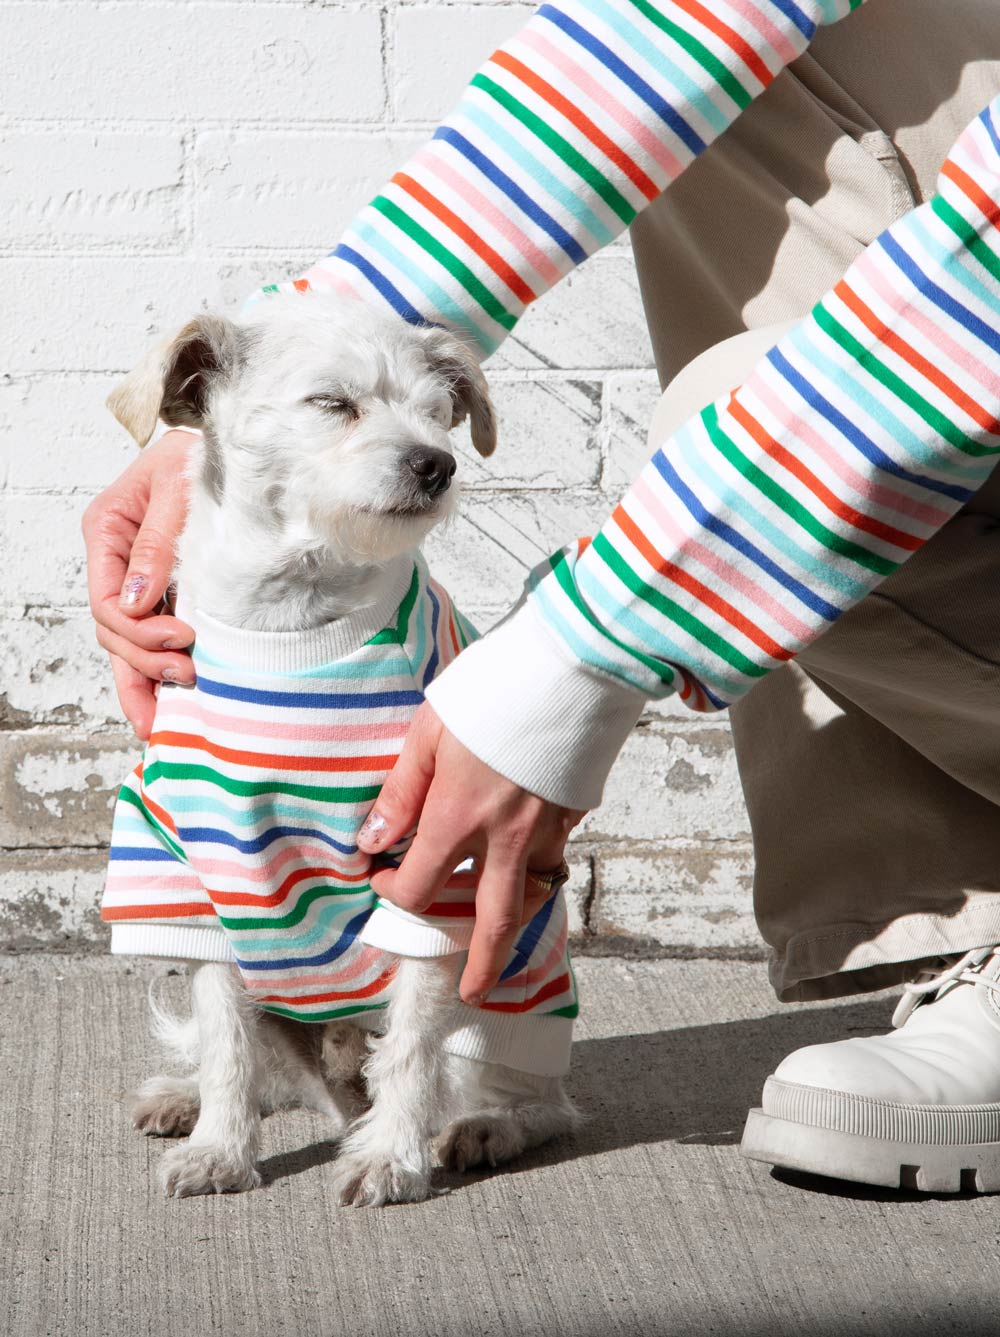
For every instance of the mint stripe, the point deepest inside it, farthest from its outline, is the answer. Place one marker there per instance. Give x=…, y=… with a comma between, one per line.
x=967, y=234
x=552, y=610
x=710, y=63
x=561, y=147
x=866, y=359
x=447, y=259
x=129, y=796
x=726, y=447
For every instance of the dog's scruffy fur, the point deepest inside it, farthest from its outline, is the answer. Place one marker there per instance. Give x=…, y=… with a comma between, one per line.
x=303, y=489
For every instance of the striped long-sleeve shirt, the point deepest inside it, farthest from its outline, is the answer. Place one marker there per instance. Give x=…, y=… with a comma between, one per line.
x=235, y=839
x=778, y=507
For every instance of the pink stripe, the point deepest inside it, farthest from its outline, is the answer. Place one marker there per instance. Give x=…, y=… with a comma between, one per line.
x=321, y=733
x=307, y=857
x=600, y=95
x=935, y=334
x=527, y=979
x=774, y=36
x=124, y=883
x=324, y=275
x=864, y=487
x=507, y=228
x=731, y=575
x=367, y=957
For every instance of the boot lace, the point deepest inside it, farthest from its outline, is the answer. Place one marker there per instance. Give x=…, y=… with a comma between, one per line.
x=966, y=970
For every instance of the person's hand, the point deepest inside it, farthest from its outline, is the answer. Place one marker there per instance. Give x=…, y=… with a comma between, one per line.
x=131, y=530
x=465, y=809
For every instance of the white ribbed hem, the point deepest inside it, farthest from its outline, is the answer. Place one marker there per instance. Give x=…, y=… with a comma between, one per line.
x=162, y=428
x=282, y=652
x=530, y=1043
x=539, y=717
x=403, y=934
x=187, y=942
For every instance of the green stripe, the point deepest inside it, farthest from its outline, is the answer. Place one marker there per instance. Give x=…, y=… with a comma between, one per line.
x=674, y=611
x=764, y=483
x=934, y=418
x=294, y=916
x=560, y=566
x=964, y=230
x=715, y=67
x=572, y=1011
x=347, y=1011
x=126, y=795
x=446, y=258
x=560, y=146
x=406, y=608
x=174, y=770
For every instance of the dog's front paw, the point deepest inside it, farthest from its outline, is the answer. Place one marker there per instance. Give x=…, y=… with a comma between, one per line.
x=484, y=1139
x=189, y=1169
x=373, y=1181
x=166, y=1106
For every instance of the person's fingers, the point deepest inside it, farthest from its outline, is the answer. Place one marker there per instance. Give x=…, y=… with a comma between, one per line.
x=136, y=695
x=402, y=796
x=158, y=667
x=427, y=865
x=499, y=917
x=153, y=555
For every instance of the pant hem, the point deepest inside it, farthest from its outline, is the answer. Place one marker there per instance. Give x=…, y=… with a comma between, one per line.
x=863, y=958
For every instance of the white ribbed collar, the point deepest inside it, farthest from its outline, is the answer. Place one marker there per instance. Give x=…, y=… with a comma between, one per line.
x=298, y=651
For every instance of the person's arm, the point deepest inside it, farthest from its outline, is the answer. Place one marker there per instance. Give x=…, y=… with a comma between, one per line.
x=565, y=134
x=769, y=514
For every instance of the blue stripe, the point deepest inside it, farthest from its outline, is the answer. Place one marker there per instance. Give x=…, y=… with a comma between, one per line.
x=862, y=443
x=960, y=314
x=987, y=119
x=141, y=854
x=379, y=281
x=432, y=663
x=210, y=835
x=528, y=941
x=742, y=545
x=311, y=700
x=513, y=192
x=346, y=940
x=791, y=11
x=627, y=75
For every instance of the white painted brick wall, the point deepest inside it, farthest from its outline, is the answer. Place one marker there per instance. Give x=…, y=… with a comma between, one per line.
x=158, y=156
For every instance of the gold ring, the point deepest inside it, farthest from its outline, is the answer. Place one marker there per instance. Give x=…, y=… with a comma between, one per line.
x=550, y=878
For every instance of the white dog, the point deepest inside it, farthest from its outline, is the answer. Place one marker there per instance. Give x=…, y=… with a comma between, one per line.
x=325, y=461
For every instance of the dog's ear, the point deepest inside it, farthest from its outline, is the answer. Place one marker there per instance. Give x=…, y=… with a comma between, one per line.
x=173, y=379
x=470, y=395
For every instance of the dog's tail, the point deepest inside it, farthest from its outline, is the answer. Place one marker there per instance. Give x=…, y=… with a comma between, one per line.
x=177, y=1034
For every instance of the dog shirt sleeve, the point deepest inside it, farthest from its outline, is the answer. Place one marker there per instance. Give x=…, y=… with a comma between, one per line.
x=565, y=134
x=768, y=514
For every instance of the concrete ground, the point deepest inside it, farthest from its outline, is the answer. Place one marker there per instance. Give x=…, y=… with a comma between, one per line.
x=648, y=1222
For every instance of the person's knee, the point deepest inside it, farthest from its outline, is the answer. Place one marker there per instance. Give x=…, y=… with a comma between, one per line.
x=711, y=374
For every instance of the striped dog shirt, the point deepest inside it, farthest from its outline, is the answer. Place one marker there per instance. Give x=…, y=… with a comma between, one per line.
x=235, y=838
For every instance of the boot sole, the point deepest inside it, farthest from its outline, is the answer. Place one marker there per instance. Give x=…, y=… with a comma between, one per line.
x=927, y=1166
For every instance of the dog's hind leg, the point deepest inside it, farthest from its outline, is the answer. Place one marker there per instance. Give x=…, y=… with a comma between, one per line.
x=501, y=1113
x=166, y=1106
x=221, y=1154
x=387, y=1154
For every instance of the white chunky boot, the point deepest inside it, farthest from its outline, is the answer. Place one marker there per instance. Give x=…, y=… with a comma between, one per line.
x=918, y=1108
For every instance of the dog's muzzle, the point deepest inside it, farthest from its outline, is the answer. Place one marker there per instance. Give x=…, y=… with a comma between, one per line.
x=431, y=469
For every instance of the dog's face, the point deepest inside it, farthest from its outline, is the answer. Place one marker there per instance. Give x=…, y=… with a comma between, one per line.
x=329, y=418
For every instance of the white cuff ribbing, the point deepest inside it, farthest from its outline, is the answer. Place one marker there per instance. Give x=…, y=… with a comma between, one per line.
x=521, y=703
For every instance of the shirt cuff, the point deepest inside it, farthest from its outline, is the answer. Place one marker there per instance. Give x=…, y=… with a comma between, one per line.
x=162, y=428
x=522, y=704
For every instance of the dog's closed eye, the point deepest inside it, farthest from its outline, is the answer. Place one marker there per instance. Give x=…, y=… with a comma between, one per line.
x=338, y=405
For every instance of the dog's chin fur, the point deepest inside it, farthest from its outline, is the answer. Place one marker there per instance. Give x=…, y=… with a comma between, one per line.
x=297, y=513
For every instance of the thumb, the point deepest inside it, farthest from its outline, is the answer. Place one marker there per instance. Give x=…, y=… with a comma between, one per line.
x=153, y=554
x=401, y=799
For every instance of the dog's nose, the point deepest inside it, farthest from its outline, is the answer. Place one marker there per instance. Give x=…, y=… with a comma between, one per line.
x=434, y=469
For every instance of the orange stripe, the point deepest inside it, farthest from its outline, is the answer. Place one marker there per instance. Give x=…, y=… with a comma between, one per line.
x=701, y=592
x=161, y=814
x=916, y=360
x=731, y=38
x=461, y=229
x=276, y=897
x=830, y=499
x=989, y=208
x=301, y=285
x=550, y=990
x=583, y=123
x=264, y=760
x=375, y=987
x=172, y=910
